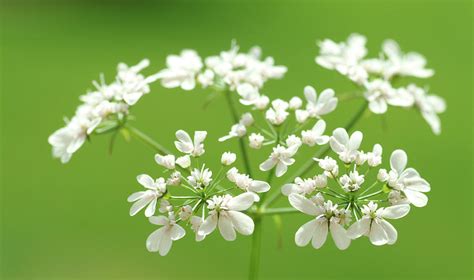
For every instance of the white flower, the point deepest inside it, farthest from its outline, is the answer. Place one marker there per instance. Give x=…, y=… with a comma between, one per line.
x=196, y=223
x=251, y=97
x=185, y=212
x=256, y=140
x=317, y=107
x=382, y=175
x=200, y=178
x=295, y=103
x=374, y=158
x=174, y=179
x=155, y=190
x=379, y=93
x=225, y=214
x=300, y=186
x=429, y=105
x=184, y=161
x=408, y=181
x=329, y=165
x=206, y=79
x=244, y=182
x=301, y=116
x=315, y=135
x=235, y=68
x=281, y=157
x=396, y=198
x=237, y=130
x=228, y=158
x=186, y=145
x=246, y=119
x=410, y=64
x=344, y=57
x=321, y=181
x=278, y=113
x=181, y=70
x=361, y=158
x=293, y=140
x=161, y=239
x=167, y=161
x=326, y=219
x=344, y=146
x=374, y=225
x=352, y=182
x=130, y=85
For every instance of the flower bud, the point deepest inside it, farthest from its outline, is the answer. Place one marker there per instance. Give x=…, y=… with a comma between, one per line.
x=185, y=212
x=382, y=176
x=167, y=161
x=301, y=116
x=184, y=161
x=228, y=158
x=247, y=119
x=321, y=181
x=295, y=103
x=256, y=140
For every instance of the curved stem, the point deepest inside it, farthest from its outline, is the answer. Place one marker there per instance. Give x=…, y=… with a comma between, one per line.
x=255, y=252
x=235, y=117
x=322, y=152
x=139, y=135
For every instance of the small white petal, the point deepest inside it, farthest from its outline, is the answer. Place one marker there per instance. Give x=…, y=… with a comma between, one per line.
x=305, y=233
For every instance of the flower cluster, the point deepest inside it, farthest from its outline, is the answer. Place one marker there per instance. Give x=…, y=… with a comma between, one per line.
x=378, y=76
x=102, y=110
x=214, y=201
x=275, y=114
x=341, y=202
x=230, y=69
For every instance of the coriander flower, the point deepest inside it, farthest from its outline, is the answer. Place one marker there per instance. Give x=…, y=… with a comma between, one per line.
x=200, y=178
x=329, y=165
x=295, y=103
x=225, y=214
x=196, y=223
x=315, y=135
x=317, y=107
x=374, y=158
x=167, y=161
x=352, y=182
x=251, y=97
x=228, y=158
x=239, y=129
x=155, y=190
x=300, y=186
x=408, y=181
x=256, y=140
x=345, y=57
x=327, y=218
x=181, y=70
x=186, y=145
x=410, y=64
x=281, y=157
x=374, y=225
x=379, y=93
x=244, y=182
x=429, y=105
x=278, y=113
x=344, y=146
x=162, y=239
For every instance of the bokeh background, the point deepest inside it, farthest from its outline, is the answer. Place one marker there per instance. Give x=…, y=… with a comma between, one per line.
x=71, y=221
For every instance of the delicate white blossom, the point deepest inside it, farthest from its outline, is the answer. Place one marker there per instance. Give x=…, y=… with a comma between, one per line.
x=429, y=105
x=374, y=225
x=380, y=93
x=167, y=161
x=374, y=158
x=345, y=146
x=225, y=213
x=315, y=135
x=182, y=70
x=228, y=158
x=186, y=145
x=200, y=178
x=317, y=107
x=327, y=218
x=155, y=190
x=352, y=182
x=162, y=239
x=281, y=157
x=256, y=140
x=410, y=64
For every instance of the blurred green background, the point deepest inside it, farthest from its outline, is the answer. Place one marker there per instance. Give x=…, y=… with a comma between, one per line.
x=71, y=221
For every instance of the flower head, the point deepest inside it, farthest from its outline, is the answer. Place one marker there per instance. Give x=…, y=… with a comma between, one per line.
x=155, y=190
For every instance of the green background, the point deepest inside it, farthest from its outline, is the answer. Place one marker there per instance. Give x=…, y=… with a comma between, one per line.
x=71, y=221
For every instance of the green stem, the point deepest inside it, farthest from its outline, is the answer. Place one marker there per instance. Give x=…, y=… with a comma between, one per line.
x=277, y=211
x=322, y=152
x=243, y=148
x=255, y=252
x=147, y=140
